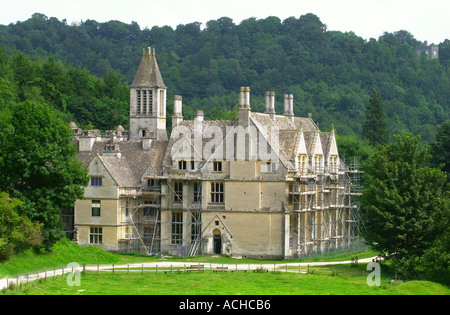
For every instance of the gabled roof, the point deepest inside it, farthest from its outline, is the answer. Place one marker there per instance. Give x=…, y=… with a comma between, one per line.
x=326, y=142
x=189, y=126
x=148, y=74
x=329, y=144
x=284, y=143
x=127, y=171
x=288, y=133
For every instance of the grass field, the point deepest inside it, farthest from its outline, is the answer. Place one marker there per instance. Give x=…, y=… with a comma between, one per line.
x=230, y=283
x=338, y=279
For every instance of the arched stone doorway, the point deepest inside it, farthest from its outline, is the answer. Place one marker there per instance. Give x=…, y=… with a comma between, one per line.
x=217, y=242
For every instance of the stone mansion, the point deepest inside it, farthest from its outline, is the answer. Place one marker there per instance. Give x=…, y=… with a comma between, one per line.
x=264, y=185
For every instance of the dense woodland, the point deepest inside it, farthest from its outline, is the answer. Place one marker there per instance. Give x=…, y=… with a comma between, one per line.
x=83, y=70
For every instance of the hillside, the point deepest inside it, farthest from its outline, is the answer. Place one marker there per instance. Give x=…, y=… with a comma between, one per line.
x=330, y=73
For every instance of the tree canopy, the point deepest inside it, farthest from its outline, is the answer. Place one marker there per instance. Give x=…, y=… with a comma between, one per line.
x=405, y=203
x=330, y=73
x=16, y=232
x=39, y=164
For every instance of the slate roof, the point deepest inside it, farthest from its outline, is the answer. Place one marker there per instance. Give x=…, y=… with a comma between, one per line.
x=195, y=132
x=148, y=74
x=288, y=135
x=133, y=163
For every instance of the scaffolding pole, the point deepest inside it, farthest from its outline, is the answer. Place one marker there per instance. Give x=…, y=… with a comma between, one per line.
x=326, y=216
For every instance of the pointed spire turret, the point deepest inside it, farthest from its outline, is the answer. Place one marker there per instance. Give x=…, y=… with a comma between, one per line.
x=148, y=74
x=148, y=96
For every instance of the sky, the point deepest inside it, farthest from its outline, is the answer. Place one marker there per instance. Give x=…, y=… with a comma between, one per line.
x=426, y=20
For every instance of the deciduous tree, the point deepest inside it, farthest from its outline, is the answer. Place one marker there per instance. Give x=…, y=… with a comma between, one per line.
x=405, y=202
x=39, y=164
x=16, y=232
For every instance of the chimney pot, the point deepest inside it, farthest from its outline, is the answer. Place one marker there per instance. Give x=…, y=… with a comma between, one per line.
x=177, y=116
x=242, y=96
x=247, y=97
x=199, y=115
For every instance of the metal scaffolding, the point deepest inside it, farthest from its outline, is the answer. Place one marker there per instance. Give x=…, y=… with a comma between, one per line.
x=325, y=216
x=141, y=215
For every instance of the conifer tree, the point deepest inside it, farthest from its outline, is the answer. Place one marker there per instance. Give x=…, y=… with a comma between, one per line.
x=375, y=127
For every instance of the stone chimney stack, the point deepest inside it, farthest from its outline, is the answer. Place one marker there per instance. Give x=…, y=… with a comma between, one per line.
x=242, y=97
x=244, y=107
x=87, y=140
x=177, y=116
x=146, y=143
x=247, y=97
x=286, y=104
x=289, y=106
x=199, y=115
x=270, y=104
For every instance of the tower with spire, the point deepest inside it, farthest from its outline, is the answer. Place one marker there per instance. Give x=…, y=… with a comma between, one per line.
x=148, y=95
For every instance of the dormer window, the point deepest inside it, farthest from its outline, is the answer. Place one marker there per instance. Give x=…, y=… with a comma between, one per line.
x=301, y=163
x=318, y=163
x=333, y=163
x=182, y=165
x=96, y=181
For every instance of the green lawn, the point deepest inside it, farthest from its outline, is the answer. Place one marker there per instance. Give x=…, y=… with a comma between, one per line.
x=339, y=279
x=230, y=283
x=65, y=252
